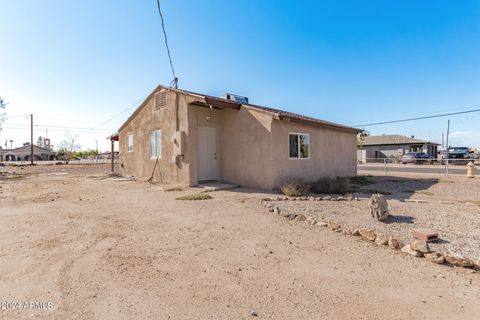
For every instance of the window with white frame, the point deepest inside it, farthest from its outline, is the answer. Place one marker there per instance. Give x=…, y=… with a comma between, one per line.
x=130, y=143
x=155, y=144
x=298, y=145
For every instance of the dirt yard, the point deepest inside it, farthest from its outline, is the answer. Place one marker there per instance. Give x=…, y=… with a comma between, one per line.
x=103, y=249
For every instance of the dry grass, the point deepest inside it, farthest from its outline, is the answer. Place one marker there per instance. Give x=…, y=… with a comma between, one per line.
x=198, y=196
x=425, y=192
x=174, y=189
x=294, y=188
x=373, y=191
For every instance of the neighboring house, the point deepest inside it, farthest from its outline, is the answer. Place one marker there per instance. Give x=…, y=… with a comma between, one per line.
x=392, y=146
x=182, y=137
x=24, y=154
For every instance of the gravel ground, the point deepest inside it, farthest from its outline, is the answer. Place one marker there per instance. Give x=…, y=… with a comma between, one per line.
x=458, y=225
x=109, y=249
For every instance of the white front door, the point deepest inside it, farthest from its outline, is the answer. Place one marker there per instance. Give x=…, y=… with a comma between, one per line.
x=207, y=153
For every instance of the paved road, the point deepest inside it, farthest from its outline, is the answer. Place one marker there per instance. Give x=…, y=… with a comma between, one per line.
x=412, y=168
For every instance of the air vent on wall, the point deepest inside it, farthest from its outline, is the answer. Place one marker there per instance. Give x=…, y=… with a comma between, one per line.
x=160, y=100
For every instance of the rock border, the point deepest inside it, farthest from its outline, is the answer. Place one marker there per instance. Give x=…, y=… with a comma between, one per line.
x=416, y=248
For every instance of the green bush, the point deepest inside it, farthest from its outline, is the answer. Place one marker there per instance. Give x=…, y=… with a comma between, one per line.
x=331, y=185
x=294, y=188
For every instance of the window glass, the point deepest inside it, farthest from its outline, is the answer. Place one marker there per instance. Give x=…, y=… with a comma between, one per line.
x=304, y=145
x=155, y=144
x=130, y=143
x=293, y=145
x=298, y=146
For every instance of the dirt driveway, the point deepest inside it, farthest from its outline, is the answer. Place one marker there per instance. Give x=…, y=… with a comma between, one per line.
x=99, y=249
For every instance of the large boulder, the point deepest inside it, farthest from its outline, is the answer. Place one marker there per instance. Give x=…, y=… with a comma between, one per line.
x=379, y=207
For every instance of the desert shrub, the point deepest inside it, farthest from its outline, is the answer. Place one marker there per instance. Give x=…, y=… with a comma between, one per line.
x=331, y=185
x=199, y=196
x=294, y=188
x=174, y=189
x=373, y=191
x=361, y=180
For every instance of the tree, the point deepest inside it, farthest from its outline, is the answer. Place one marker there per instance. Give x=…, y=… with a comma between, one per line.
x=67, y=147
x=40, y=141
x=361, y=138
x=3, y=105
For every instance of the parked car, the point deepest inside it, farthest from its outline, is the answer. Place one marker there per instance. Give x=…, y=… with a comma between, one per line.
x=459, y=155
x=417, y=158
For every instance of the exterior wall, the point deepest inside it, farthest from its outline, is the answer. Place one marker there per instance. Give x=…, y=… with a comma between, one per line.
x=243, y=145
x=252, y=147
x=138, y=163
x=332, y=153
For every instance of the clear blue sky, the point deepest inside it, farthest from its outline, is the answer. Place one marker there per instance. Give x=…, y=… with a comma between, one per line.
x=79, y=63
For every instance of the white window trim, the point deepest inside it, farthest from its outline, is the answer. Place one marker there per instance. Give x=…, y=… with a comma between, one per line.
x=309, y=149
x=128, y=143
x=159, y=144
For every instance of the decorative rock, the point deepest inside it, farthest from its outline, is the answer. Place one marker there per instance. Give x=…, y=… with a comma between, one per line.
x=395, y=244
x=425, y=235
x=293, y=199
x=379, y=207
x=356, y=233
x=326, y=198
x=322, y=224
x=311, y=198
x=301, y=217
x=347, y=232
x=457, y=260
x=408, y=250
x=333, y=226
x=271, y=209
x=340, y=198
x=357, y=199
x=333, y=199
x=311, y=221
x=420, y=245
x=291, y=216
x=276, y=210
x=286, y=198
x=435, y=257
x=381, y=240
x=368, y=234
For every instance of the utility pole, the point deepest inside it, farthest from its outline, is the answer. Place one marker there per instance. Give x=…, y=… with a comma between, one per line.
x=96, y=153
x=446, y=148
x=11, y=141
x=31, y=139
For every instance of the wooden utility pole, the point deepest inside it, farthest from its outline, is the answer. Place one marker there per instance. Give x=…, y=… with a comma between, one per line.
x=96, y=152
x=31, y=139
x=112, y=155
x=446, y=148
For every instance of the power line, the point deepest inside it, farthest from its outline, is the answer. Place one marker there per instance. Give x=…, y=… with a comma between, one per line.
x=175, y=79
x=417, y=118
x=117, y=115
x=52, y=126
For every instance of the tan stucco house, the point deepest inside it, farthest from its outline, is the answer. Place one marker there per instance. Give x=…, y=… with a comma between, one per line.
x=181, y=137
